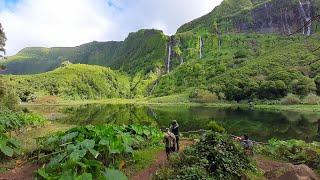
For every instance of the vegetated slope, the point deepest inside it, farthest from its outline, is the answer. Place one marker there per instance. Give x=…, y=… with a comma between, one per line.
x=73, y=82
x=141, y=51
x=281, y=16
x=247, y=66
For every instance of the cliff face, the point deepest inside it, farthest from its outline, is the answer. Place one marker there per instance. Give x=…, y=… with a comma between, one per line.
x=276, y=16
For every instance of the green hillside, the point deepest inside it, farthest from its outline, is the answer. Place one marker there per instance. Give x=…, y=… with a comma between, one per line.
x=240, y=51
x=141, y=51
x=247, y=66
x=72, y=82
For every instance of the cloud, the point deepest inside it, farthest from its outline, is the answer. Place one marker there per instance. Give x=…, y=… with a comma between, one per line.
x=73, y=22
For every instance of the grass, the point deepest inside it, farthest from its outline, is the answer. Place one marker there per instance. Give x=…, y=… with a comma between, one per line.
x=143, y=159
x=296, y=108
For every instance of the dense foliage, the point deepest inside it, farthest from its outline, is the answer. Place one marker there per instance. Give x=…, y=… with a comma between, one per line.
x=294, y=151
x=141, y=51
x=88, y=151
x=216, y=156
x=10, y=121
x=2, y=40
x=247, y=66
x=72, y=82
x=8, y=97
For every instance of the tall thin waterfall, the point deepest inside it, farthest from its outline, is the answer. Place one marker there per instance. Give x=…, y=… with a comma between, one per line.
x=306, y=15
x=286, y=21
x=200, y=48
x=181, y=60
x=169, y=57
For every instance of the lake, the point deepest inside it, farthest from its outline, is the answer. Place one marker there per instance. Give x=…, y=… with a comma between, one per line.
x=259, y=125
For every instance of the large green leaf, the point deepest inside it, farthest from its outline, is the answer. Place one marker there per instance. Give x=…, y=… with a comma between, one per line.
x=84, y=176
x=88, y=143
x=112, y=174
x=8, y=151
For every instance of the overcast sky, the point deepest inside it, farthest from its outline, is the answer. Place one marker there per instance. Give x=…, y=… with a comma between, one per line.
x=51, y=23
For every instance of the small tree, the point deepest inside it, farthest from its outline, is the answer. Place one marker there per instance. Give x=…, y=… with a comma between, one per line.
x=3, y=39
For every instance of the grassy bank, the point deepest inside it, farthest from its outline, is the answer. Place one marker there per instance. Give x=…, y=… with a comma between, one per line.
x=181, y=99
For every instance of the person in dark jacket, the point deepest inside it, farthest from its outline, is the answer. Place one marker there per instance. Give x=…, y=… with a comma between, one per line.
x=175, y=130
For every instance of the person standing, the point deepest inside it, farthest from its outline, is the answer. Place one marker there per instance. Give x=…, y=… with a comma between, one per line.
x=175, y=130
x=169, y=141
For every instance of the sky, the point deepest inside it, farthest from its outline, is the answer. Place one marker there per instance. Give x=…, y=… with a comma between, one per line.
x=63, y=23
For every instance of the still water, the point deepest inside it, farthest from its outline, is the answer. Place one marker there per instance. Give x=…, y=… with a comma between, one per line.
x=259, y=125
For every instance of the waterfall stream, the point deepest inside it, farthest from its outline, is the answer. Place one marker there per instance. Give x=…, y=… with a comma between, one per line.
x=306, y=15
x=200, y=48
x=181, y=60
x=169, y=57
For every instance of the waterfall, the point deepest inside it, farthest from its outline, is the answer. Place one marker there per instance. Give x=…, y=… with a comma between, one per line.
x=200, y=48
x=181, y=60
x=306, y=15
x=169, y=57
x=286, y=21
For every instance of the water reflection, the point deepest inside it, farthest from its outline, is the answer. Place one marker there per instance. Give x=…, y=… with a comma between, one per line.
x=260, y=125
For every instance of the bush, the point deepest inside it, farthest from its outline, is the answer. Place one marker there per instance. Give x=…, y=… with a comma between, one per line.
x=203, y=96
x=8, y=97
x=311, y=99
x=215, y=127
x=290, y=99
x=92, y=149
x=294, y=151
x=216, y=156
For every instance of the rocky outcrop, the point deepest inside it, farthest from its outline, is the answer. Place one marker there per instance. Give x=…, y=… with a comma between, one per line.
x=282, y=16
x=265, y=16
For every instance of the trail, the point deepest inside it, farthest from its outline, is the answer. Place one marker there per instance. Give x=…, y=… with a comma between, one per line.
x=24, y=172
x=146, y=174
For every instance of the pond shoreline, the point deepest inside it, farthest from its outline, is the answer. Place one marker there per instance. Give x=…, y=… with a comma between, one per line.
x=143, y=102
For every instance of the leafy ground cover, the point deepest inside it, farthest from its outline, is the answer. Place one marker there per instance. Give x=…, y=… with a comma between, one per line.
x=10, y=121
x=293, y=151
x=90, y=151
x=216, y=156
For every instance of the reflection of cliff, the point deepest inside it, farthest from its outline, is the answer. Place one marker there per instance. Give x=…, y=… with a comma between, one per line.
x=260, y=125
x=99, y=114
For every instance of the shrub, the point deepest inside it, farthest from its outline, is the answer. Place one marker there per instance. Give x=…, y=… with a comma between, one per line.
x=311, y=99
x=216, y=156
x=8, y=97
x=294, y=151
x=290, y=99
x=215, y=127
x=203, y=96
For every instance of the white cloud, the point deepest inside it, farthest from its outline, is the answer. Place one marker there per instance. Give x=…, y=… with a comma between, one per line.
x=73, y=22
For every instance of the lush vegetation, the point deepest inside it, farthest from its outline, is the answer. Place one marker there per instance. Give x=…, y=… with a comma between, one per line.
x=216, y=156
x=87, y=151
x=10, y=121
x=294, y=151
x=247, y=67
x=73, y=82
x=141, y=51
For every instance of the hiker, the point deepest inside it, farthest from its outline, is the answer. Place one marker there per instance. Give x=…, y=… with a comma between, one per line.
x=246, y=143
x=175, y=130
x=169, y=140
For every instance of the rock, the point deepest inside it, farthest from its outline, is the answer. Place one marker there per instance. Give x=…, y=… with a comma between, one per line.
x=291, y=172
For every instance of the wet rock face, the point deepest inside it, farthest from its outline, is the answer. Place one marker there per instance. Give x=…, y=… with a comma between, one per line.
x=278, y=16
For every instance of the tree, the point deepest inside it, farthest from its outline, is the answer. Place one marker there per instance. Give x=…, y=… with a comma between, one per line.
x=3, y=39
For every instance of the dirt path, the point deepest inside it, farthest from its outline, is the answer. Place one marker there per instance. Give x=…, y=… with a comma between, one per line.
x=20, y=173
x=161, y=161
